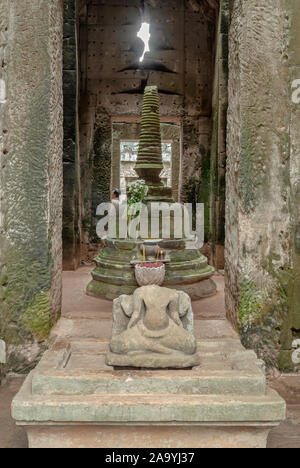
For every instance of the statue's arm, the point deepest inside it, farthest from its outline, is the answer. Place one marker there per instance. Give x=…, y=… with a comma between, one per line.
x=174, y=311
x=137, y=309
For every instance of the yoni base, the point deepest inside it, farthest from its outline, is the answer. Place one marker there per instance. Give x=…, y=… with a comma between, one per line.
x=115, y=437
x=153, y=361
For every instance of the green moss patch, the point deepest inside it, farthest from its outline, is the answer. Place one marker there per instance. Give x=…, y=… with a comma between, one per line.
x=37, y=317
x=253, y=303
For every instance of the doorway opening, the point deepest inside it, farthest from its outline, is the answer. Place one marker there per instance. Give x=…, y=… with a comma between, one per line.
x=125, y=142
x=104, y=86
x=128, y=158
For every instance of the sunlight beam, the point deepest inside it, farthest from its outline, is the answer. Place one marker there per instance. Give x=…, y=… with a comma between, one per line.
x=144, y=34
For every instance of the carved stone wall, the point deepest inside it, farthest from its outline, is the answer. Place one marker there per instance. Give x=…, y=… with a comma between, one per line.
x=31, y=176
x=289, y=357
x=71, y=155
x=4, y=56
x=262, y=173
x=217, y=168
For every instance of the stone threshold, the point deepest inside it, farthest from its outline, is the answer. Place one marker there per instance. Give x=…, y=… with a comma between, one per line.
x=102, y=409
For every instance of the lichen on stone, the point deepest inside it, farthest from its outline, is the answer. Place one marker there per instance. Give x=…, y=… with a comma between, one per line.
x=263, y=315
x=252, y=303
x=37, y=317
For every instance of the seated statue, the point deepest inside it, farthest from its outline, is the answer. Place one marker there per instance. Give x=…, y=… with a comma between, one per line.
x=153, y=328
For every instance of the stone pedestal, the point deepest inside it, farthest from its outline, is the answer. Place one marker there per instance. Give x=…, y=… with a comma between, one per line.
x=73, y=399
x=164, y=436
x=187, y=270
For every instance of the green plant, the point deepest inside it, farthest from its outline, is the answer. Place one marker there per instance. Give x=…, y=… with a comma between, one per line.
x=137, y=192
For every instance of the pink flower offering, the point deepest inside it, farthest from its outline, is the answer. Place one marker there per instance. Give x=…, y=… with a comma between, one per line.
x=151, y=265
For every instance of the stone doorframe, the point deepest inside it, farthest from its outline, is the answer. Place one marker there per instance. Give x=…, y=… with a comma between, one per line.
x=128, y=130
x=31, y=127
x=31, y=176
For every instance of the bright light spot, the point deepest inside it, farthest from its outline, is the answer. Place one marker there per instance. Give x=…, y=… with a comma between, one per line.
x=296, y=93
x=2, y=92
x=144, y=34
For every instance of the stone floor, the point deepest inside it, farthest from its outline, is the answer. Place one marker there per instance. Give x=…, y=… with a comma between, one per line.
x=77, y=306
x=11, y=436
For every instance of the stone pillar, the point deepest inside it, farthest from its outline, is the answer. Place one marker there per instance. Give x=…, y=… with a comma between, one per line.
x=101, y=171
x=289, y=358
x=199, y=49
x=4, y=52
x=31, y=175
x=218, y=147
x=71, y=165
x=258, y=208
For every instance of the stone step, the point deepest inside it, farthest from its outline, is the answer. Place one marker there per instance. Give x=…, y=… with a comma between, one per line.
x=180, y=383
x=75, y=368
x=156, y=409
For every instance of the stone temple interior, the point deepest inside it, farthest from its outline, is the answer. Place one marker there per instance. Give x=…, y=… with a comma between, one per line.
x=72, y=80
x=111, y=82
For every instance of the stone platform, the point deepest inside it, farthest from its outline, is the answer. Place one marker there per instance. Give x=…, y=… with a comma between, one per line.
x=72, y=399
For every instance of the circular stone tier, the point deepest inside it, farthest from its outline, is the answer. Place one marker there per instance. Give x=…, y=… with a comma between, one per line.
x=186, y=271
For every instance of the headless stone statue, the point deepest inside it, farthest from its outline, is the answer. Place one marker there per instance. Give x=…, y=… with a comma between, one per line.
x=153, y=328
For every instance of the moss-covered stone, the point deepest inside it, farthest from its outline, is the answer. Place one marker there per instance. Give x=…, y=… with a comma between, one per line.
x=253, y=303
x=264, y=316
x=259, y=323
x=37, y=317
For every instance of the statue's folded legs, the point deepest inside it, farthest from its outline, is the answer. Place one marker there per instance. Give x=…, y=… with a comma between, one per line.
x=154, y=325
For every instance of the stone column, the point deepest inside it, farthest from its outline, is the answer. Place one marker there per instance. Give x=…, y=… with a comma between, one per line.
x=218, y=147
x=199, y=50
x=289, y=358
x=31, y=175
x=101, y=171
x=258, y=208
x=71, y=164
